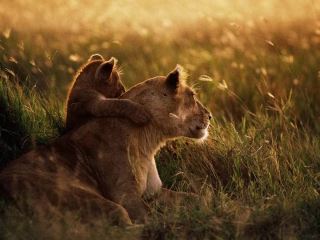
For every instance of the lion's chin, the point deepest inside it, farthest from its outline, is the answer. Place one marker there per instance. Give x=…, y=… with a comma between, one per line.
x=204, y=133
x=200, y=134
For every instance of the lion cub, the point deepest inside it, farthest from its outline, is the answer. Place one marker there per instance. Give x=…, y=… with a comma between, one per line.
x=89, y=95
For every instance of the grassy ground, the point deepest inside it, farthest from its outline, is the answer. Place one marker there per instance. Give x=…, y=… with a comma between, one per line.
x=259, y=170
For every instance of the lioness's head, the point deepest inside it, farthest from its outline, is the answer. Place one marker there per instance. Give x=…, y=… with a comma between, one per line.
x=173, y=105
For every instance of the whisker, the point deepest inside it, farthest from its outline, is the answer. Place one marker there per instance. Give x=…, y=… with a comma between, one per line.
x=173, y=115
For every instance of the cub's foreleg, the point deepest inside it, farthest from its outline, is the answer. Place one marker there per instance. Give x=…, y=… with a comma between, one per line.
x=95, y=104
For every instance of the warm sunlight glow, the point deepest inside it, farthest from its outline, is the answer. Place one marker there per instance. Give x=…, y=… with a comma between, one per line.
x=145, y=17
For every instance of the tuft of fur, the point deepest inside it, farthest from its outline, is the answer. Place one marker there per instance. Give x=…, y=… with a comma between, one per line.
x=183, y=74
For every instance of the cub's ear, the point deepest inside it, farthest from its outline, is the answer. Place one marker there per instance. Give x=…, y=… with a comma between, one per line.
x=173, y=79
x=104, y=71
x=96, y=56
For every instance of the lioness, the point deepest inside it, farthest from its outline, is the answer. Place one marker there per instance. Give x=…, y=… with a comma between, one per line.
x=106, y=167
x=90, y=93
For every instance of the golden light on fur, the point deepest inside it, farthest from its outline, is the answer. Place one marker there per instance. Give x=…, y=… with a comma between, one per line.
x=183, y=74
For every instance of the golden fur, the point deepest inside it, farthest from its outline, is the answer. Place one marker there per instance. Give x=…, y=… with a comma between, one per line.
x=106, y=167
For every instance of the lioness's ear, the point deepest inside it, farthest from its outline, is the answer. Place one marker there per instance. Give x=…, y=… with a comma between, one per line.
x=104, y=71
x=95, y=57
x=173, y=78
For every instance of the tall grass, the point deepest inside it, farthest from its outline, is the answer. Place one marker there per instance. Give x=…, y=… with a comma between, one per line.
x=258, y=171
x=28, y=120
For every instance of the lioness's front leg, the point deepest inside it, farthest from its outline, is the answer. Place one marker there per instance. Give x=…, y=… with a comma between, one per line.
x=129, y=197
x=121, y=186
x=93, y=207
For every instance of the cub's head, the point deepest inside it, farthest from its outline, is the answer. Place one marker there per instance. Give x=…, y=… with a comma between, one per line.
x=103, y=76
x=96, y=77
x=173, y=105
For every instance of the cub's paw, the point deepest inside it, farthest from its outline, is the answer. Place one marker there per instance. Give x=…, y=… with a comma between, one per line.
x=140, y=115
